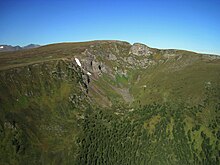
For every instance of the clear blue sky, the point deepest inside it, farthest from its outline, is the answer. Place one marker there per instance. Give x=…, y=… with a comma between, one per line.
x=186, y=24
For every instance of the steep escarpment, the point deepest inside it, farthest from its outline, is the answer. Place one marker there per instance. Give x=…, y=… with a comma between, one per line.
x=41, y=108
x=121, y=72
x=131, y=73
x=124, y=104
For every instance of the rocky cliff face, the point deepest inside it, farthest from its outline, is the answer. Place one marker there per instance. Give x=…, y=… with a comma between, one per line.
x=41, y=104
x=120, y=66
x=120, y=70
x=140, y=50
x=134, y=99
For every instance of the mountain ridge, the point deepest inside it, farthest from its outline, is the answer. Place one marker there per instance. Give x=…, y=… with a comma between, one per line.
x=6, y=48
x=117, y=64
x=98, y=41
x=137, y=105
x=67, y=45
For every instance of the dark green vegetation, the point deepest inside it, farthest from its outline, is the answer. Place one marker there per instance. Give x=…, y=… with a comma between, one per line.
x=139, y=106
x=153, y=134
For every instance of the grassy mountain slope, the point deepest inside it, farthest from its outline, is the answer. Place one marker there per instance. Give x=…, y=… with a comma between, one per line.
x=139, y=106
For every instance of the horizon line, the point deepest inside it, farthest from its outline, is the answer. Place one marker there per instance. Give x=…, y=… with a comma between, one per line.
x=118, y=40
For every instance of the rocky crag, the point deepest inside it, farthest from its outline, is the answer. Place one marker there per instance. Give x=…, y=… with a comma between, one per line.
x=124, y=104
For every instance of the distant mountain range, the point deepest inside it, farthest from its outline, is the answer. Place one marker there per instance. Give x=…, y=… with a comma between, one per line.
x=5, y=48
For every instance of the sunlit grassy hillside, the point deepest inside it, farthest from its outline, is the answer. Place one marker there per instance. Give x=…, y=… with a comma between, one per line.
x=140, y=105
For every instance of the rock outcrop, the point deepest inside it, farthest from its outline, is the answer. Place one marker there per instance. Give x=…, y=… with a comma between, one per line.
x=140, y=50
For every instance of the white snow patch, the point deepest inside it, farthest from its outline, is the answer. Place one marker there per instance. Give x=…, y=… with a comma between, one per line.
x=208, y=83
x=1, y=47
x=88, y=73
x=78, y=62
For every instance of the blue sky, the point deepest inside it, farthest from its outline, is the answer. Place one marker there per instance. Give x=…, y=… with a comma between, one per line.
x=187, y=24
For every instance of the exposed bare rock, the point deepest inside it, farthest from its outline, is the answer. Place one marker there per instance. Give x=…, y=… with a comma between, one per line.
x=96, y=67
x=143, y=63
x=122, y=72
x=130, y=60
x=140, y=50
x=112, y=57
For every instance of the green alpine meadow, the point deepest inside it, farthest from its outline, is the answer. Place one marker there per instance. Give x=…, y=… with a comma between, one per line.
x=109, y=102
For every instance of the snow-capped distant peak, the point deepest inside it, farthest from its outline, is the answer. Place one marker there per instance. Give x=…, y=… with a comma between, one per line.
x=78, y=62
x=1, y=47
